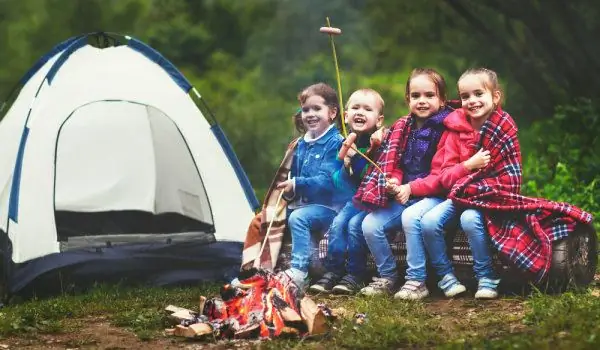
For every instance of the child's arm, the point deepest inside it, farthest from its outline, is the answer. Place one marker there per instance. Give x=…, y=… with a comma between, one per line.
x=453, y=169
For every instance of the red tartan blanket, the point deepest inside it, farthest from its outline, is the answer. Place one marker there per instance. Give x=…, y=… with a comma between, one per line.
x=521, y=228
x=371, y=192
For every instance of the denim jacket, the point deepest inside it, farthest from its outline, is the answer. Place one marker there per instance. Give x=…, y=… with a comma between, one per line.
x=312, y=168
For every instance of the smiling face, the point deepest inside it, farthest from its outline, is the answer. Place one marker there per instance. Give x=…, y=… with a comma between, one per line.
x=364, y=112
x=423, y=97
x=478, y=100
x=316, y=115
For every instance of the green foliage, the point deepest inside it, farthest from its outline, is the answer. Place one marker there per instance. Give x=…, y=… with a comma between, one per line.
x=561, y=161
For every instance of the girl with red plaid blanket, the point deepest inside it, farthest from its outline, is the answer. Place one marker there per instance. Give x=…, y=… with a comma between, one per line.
x=485, y=193
x=410, y=172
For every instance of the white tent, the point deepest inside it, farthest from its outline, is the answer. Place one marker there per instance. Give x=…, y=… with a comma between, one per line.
x=113, y=130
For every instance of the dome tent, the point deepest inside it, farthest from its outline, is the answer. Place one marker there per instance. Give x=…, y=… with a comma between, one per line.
x=110, y=171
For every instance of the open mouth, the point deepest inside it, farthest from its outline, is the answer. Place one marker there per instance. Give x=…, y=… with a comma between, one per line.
x=474, y=109
x=312, y=122
x=359, y=121
x=422, y=109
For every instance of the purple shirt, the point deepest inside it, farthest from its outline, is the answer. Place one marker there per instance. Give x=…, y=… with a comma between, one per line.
x=422, y=145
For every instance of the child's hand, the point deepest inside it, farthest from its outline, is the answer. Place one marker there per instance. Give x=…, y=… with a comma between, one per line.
x=403, y=194
x=376, y=138
x=287, y=186
x=479, y=160
x=391, y=186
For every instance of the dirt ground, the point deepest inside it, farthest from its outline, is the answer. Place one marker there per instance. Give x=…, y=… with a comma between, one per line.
x=98, y=333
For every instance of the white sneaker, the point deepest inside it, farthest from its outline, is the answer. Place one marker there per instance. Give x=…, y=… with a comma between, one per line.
x=451, y=286
x=379, y=286
x=412, y=290
x=487, y=289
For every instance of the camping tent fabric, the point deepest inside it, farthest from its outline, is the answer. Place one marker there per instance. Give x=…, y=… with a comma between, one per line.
x=118, y=129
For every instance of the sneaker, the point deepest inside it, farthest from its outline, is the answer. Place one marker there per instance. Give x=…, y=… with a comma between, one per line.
x=300, y=278
x=487, y=289
x=451, y=286
x=412, y=290
x=347, y=286
x=379, y=286
x=325, y=284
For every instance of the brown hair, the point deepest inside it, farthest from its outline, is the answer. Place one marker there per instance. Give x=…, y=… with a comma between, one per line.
x=366, y=91
x=436, y=77
x=489, y=79
x=297, y=119
x=327, y=93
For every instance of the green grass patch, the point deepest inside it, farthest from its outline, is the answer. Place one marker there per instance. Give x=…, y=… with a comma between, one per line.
x=568, y=321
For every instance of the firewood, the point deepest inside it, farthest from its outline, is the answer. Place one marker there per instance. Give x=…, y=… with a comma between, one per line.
x=170, y=331
x=289, y=315
x=184, y=315
x=201, y=304
x=313, y=317
x=172, y=309
x=247, y=331
x=193, y=330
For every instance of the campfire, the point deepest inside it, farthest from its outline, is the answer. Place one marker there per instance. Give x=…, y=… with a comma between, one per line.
x=267, y=305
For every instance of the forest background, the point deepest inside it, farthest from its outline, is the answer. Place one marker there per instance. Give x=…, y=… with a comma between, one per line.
x=249, y=59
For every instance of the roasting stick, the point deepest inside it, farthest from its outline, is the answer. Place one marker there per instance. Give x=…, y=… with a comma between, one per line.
x=335, y=31
x=275, y=213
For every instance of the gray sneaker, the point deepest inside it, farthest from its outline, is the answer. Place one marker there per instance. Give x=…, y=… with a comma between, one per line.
x=300, y=278
x=379, y=286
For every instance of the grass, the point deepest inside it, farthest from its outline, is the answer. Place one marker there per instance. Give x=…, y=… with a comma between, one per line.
x=567, y=321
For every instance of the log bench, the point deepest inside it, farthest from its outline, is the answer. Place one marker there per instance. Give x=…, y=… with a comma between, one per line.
x=574, y=261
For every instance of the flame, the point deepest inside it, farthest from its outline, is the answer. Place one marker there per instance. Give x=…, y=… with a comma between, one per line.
x=257, y=303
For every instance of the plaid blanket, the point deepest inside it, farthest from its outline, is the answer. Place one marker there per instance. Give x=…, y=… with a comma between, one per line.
x=371, y=193
x=521, y=228
x=259, y=224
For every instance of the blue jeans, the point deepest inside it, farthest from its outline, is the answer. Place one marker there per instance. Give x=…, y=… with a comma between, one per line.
x=337, y=245
x=302, y=222
x=375, y=228
x=444, y=216
x=416, y=257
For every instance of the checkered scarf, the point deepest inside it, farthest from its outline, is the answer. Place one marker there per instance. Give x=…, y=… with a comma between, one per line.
x=371, y=193
x=521, y=228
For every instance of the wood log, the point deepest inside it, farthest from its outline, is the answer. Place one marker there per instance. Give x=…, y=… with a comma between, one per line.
x=193, y=330
x=289, y=315
x=313, y=316
x=201, y=304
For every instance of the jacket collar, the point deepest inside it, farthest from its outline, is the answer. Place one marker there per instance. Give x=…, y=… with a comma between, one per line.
x=324, y=137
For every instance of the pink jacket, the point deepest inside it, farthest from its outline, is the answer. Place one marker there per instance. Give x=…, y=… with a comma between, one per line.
x=458, y=147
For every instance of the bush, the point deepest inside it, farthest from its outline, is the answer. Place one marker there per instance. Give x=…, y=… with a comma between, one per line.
x=560, y=161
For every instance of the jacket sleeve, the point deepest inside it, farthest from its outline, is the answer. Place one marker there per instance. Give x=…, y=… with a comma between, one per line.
x=452, y=168
x=311, y=186
x=430, y=184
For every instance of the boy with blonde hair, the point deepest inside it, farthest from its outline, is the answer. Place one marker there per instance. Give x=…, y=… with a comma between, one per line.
x=364, y=115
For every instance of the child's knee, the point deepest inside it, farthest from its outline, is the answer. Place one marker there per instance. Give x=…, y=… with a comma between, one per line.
x=471, y=221
x=410, y=217
x=430, y=224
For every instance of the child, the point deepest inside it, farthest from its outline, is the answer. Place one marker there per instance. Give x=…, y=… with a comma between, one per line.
x=308, y=192
x=521, y=228
x=480, y=95
x=364, y=115
x=407, y=159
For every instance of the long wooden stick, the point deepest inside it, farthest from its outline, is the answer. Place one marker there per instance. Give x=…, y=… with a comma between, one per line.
x=339, y=80
x=367, y=158
x=275, y=213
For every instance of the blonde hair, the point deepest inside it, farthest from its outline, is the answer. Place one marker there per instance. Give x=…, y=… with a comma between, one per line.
x=367, y=91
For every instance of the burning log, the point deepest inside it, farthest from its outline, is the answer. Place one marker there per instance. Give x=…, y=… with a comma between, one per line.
x=266, y=307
